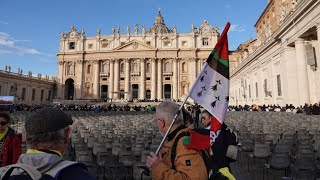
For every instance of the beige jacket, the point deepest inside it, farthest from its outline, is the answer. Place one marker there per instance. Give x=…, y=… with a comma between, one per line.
x=188, y=163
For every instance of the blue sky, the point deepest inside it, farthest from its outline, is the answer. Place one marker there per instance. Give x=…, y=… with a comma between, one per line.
x=30, y=29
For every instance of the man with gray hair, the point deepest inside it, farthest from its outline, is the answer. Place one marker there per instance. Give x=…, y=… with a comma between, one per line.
x=48, y=133
x=174, y=161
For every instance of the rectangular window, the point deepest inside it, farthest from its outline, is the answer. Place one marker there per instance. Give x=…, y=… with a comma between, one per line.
x=23, y=94
x=49, y=95
x=279, y=85
x=122, y=43
x=148, y=78
x=122, y=79
x=105, y=45
x=41, y=95
x=257, y=93
x=90, y=46
x=249, y=91
x=33, y=94
x=167, y=78
x=167, y=43
x=184, y=43
x=148, y=42
x=205, y=41
x=72, y=45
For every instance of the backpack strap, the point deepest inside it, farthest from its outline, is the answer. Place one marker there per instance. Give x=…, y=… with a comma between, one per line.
x=57, y=169
x=31, y=171
x=174, y=147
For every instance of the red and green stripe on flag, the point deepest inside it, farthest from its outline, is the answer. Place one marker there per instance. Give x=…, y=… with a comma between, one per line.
x=211, y=91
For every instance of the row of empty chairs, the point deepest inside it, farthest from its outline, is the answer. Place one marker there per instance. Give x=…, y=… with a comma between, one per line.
x=114, y=145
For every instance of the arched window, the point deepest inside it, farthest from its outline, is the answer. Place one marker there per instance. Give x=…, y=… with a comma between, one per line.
x=184, y=67
x=105, y=68
x=89, y=69
x=148, y=68
x=122, y=68
x=167, y=67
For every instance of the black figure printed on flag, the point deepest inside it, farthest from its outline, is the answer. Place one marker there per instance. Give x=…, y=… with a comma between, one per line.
x=214, y=88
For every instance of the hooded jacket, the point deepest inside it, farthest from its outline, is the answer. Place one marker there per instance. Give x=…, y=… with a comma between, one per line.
x=44, y=162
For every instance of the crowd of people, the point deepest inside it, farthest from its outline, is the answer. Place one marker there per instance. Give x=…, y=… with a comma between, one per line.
x=75, y=107
x=308, y=109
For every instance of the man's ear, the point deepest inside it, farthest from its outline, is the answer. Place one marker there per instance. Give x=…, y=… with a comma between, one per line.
x=162, y=123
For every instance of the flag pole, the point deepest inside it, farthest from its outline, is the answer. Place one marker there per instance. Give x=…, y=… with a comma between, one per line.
x=177, y=114
x=170, y=127
x=194, y=84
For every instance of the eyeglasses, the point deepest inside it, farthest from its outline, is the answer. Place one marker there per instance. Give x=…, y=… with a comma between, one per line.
x=3, y=123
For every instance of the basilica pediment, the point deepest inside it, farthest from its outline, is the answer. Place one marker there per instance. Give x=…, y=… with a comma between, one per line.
x=135, y=46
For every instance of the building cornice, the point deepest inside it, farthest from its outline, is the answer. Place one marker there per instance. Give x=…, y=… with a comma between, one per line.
x=12, y=76
x=262, y=14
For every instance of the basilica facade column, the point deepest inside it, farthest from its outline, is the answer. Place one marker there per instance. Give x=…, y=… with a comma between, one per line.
x=302, y=76
x=193, y=71
x=175, y=78
x=289, y=70
x=153, y=79
x=60, y=93
x=79, y=71
x=111, y=78
x=96, y=84
x=116, y=79
x=127, y=80
x=317, y=76
x=160, y=87
x=142, y=79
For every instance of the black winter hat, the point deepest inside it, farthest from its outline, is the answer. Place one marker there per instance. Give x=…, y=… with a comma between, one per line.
x=47, y=120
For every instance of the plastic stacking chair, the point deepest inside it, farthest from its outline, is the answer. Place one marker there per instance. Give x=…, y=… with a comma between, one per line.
x=261, y=151
x=279, y=161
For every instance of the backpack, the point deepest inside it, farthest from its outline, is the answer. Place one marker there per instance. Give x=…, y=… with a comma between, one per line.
x=230, y=140
x=32, y=173
x=212, y=169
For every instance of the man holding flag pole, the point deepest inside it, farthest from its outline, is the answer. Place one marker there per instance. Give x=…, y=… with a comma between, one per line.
x=211, y=91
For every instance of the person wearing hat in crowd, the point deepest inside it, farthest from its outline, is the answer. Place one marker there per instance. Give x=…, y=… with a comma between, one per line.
x=10, y=142
x=48, y=133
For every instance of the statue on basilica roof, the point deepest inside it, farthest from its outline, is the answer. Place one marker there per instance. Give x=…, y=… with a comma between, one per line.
x=98, y=32
x=128, y=30
x=72, y=28
x=118, y=30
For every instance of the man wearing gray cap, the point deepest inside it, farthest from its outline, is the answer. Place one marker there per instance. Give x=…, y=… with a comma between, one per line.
x=48, y=134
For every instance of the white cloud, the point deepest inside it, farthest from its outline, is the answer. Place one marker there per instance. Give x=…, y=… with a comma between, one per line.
x=9, y=44
x=3, y=34
x=44, y=60
x=237, y=28
x=3, y=22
